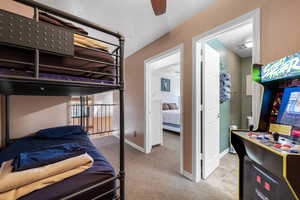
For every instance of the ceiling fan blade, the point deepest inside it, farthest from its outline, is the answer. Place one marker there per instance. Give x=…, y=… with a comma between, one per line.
x=159, y=6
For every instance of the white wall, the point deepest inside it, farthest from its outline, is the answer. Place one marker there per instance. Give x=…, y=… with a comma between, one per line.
x=29, y=114
x=169, y=73
x=174, y=95
x=104, y=98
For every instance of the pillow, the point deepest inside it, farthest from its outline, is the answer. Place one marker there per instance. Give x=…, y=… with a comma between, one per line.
x=173, y=106
x=165, y=106
x=62, y=131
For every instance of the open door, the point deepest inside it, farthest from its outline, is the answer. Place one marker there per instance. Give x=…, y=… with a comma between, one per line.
x=211, y=110
x=155, y=111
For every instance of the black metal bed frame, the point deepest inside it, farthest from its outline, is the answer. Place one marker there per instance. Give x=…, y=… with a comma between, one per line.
x=10, y=85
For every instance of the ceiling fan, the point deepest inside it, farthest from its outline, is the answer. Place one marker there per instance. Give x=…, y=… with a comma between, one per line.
x=159, y=6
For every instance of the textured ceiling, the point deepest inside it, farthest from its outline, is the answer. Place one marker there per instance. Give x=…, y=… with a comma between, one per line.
x=133, y=18
x=235, y=38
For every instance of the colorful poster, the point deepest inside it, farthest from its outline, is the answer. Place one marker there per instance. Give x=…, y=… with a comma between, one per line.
x=286, y=67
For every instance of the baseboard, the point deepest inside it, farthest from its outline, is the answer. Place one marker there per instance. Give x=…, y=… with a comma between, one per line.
x=223, y=153
x=133, y=145
x=188, y=175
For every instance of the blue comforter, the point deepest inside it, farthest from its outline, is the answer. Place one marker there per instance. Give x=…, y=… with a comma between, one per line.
x=47, y=156
x=101, y=169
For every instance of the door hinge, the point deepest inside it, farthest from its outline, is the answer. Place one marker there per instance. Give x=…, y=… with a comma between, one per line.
x=200, y=156
x=201, y=107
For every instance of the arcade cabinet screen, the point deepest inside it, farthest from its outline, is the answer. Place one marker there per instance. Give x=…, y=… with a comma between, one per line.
x=289, y=112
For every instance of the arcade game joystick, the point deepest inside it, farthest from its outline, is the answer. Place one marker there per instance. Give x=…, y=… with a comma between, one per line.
x=269, y=157
x=275, y=136
x=250, y=130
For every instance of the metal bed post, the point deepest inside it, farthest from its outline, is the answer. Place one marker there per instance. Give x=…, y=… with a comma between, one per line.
x=36, y=51
x=122, y=128
x=81, y=111
x=87, y=116
x=7, y=130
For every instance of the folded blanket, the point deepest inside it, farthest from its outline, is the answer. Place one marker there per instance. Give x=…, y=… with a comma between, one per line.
x=45, y=17
x=50, y=155
x=14, y=185
x=78, y=39
x=83, y=41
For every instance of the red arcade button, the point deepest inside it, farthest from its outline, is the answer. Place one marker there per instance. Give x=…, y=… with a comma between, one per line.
x=277, y=145
x=267, y=186
x=258, y=179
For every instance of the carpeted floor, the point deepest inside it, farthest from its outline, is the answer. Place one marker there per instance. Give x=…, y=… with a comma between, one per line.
x=155, y=176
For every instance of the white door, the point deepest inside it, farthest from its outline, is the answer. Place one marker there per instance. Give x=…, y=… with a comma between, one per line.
x=155, y=111
x=211, y=110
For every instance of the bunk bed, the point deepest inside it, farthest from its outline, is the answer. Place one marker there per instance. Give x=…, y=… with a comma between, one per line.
x=50, y=55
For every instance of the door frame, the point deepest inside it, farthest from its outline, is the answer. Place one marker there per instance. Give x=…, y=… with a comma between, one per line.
x=147, y=97
x=252, y=16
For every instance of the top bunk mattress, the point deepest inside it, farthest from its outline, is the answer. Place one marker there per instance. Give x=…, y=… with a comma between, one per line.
x=100, y=171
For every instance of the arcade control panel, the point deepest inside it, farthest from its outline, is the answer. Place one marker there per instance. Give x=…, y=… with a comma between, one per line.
x=273, y=141
x=269, y=166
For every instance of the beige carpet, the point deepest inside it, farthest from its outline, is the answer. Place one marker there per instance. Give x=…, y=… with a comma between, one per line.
x=156, y=176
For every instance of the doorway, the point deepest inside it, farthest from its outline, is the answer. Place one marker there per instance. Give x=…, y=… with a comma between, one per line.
x=222, y=62
x=163, y=101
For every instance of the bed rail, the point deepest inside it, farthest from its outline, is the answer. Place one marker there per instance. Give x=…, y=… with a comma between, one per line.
x=71, y=17
x=97, y=185
x=96, y=119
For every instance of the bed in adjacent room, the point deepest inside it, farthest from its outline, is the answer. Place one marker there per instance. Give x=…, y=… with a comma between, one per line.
x=171, y=117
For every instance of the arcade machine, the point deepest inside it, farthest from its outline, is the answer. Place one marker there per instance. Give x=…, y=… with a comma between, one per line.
x=269, y=157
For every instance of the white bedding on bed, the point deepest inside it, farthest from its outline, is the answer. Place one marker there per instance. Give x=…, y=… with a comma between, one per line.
x=171, y=116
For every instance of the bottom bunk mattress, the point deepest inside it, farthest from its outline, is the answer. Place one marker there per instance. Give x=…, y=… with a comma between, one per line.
x=100, y=171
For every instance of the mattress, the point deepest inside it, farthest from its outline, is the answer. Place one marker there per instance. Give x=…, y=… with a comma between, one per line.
x=171, y=125
x=100, y=171
x=171, y=116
